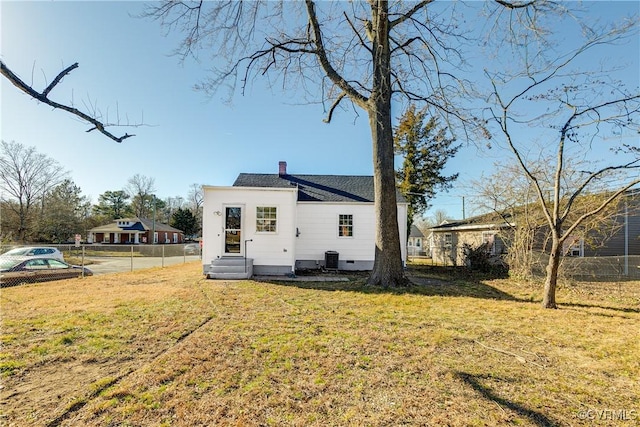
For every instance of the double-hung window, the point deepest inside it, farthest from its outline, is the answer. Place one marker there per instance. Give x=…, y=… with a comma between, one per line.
x=489, y=239
x=448, y=240
x=345, y=225
x=266, y=219
x=573, y=246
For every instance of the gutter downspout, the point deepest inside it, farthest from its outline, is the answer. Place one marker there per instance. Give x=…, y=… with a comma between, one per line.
x=245, y=254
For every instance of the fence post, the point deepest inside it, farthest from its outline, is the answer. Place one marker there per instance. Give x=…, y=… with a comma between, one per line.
x=131, y=258
x=626, y=238
x=163, y=256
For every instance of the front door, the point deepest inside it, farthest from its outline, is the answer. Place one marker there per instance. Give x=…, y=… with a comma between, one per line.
x=233, y=230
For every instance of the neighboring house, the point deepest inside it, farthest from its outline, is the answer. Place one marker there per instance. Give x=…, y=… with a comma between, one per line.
x=274, y=224
x=135, y=231
x=618, y=237
x=449, y=238
x=416, y=243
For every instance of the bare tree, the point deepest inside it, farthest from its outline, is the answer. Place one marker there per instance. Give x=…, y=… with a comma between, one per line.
x=363, y=53
x=440, y=216
x=25, y=177
x=141, y=190
x=43, y=97
x=580, y=110
x=195, y=201
x=171, y=205
x=509, y=194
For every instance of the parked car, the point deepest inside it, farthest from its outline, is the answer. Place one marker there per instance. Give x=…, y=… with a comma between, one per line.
x=34, y=252
x=192, y=249
x=15, y=271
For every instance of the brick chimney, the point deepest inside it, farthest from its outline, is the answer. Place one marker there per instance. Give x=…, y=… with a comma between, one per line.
x=282, y=168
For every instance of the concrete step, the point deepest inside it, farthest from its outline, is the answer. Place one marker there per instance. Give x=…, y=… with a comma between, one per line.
x=230, y=268
x=232, y=261
x=229, y=276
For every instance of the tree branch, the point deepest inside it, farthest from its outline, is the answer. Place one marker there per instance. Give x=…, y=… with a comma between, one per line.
x=333, y=107
x=321, y=54
x=631, y=165
x=511, y=5
x=409, y=13
x=43, y=97
x=596, y=211
x=356, y=32
x=58, y=78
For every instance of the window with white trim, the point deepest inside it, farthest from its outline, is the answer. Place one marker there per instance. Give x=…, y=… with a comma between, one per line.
x=448, y=240
x=175, y=237
x=266, y=219
x=573, y=246
x=345, y=225
x=489, y=238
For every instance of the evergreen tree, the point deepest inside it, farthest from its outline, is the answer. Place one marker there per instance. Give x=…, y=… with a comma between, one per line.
x=425, y=149
x=113, y=205
x=64, y=212
x=183, y=219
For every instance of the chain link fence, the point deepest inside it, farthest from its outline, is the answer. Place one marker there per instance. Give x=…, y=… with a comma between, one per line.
x=619, y=267
x=612, y=267
x=85, y=260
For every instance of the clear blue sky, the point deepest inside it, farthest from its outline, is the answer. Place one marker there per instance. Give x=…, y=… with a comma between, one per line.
x=125, y=65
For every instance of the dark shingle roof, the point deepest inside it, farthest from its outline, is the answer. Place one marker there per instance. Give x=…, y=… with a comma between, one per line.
x=158, y=226
x=490, y=219
x=316, y=188
x=415, y=232
x=137, y=224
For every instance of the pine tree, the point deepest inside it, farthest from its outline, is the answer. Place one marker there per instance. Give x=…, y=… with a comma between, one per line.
x=183, y=219
x=425, y=149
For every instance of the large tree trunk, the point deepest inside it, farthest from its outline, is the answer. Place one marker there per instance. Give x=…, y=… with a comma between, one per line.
x=549, y=299
x=22, y=225
x=387, y=268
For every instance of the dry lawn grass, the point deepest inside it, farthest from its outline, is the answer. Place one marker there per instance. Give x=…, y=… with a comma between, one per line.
x=164, y=347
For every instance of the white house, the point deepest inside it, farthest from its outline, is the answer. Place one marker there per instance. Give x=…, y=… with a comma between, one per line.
x=416, y=242
x=273, y=224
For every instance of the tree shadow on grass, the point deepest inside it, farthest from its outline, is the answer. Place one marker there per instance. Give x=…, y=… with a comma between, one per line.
x=602, y=307
x=446, y=284
x=535, y=417
x=428, y=281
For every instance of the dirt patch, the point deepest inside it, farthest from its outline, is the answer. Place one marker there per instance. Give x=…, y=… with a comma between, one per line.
x=39, y=395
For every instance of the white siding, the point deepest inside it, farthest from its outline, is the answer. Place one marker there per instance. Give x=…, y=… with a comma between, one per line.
x=265, y=248
x=315, y=224
x=318, y=228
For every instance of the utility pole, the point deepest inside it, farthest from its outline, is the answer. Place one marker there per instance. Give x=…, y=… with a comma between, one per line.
x=153, y=236
x=463, y=214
